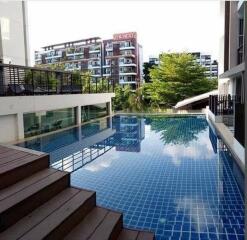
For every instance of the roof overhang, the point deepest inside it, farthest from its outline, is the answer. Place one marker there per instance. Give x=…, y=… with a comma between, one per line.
x=234, y=72
x=194, y=99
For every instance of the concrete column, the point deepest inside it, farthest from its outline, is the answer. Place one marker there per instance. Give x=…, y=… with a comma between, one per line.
x=78, y=121
x=110, y=108
x=20, y=126
x=78, y=115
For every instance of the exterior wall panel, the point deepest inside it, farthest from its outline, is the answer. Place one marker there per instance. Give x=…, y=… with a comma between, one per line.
x=14, y=34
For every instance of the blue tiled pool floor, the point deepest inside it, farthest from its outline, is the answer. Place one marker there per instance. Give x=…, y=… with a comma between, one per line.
x=165, y=176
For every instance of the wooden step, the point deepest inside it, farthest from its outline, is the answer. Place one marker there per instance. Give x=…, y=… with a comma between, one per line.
x=63, y=219
x=128, y=234
x=38, y=215
x=23, y=197
x=87, y=227
x=142, y=235
x=99, y=224
x=16, y=165
x=110, y=228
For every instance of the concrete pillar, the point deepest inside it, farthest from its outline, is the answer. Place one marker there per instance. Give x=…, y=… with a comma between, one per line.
x=78, y=115
x=110, y=108
x=20, y=126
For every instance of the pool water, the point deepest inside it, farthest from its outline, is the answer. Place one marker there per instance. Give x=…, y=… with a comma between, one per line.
x=170, y=175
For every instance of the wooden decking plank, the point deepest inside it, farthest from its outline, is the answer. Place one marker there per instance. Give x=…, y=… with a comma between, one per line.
x=17, y=187
x=127, y=234
x=39, y=214
x=16, y=163
x=89, y=224
x=14, y=157
x=105, y=230
x=9, y=153
x=19, y=196
x=54, y=220
x=145, y=236
x=4, y=149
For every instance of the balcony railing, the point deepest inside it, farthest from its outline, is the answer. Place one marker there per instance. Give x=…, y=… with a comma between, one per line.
x=20, y=81
x=223, y=104
x=227, y=105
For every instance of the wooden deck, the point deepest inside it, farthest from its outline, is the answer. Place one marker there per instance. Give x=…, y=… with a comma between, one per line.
x=37, y=202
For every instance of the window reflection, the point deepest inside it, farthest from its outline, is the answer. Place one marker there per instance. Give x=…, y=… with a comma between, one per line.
x=48, y=121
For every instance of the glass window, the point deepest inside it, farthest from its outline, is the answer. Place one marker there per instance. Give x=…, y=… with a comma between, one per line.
x=47, y=121
x=4, y=27
x=93, y=111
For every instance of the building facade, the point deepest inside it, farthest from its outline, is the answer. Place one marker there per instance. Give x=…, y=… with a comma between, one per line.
x=14, y=32
x=206, y=61
x=36, y=101
x=119, y=58
x=227, y=109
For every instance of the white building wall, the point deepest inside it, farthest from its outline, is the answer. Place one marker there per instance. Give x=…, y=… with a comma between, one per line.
x=8, y=128
x=233, y=33
x=13, y=108
x=14, y=46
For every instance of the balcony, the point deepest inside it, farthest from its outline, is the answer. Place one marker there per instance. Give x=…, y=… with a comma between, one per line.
x=95, y=50
x=127, y=64
x=109, y=48
x=53, y=56
x=18, y=80
x=127, y=47
x=127, y=54
x=231, y=110
x=93, y=66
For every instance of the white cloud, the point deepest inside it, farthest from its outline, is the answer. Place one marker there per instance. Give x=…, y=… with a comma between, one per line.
x=193, y=151
x=198, y=210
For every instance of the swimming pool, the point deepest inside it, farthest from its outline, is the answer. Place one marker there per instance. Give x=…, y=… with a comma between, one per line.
x=171, y=175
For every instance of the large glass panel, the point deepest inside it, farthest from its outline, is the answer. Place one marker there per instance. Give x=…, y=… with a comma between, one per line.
x=47, y=121
x=93, y=111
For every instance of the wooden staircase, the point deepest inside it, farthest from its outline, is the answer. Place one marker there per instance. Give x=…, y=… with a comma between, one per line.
x=37, y=202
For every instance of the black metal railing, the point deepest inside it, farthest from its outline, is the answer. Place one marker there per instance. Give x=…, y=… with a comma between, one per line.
x=21, y=80
x=227, y=105
x=223, y=104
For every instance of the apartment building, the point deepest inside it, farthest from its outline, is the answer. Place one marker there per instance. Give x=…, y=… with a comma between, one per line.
x=206, y=61
x=123, y=59
x=227, y=109
x=80, y=55
x=119, y=58
x=36, y=101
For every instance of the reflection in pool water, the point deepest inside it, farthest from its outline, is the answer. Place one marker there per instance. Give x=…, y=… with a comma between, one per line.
x=170, y=175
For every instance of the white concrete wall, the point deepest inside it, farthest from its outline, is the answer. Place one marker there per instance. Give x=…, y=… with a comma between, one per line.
x=25, y=104
x=233, y=33
x=8, y=128
x=13, y=108
x=13, y=32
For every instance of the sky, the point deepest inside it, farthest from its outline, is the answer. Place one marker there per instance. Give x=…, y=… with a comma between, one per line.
x=161, y=26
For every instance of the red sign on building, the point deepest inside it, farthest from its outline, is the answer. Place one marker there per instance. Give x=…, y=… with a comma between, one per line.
x=124, y=36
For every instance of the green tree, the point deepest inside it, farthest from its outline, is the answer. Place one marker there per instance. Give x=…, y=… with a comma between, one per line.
x=179, y=129
x=178, y=76
x=86, y=81
x=121, y=99
x=146, y=71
